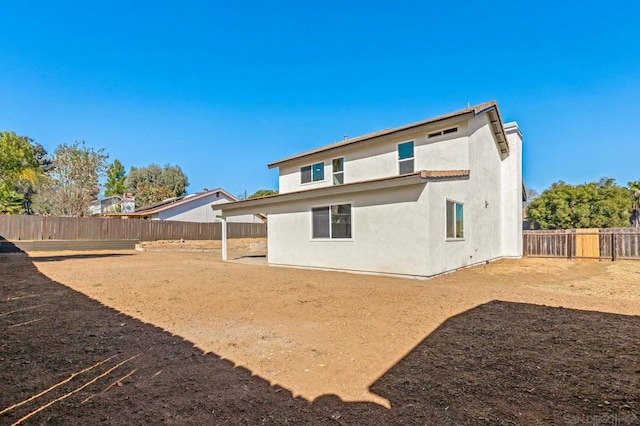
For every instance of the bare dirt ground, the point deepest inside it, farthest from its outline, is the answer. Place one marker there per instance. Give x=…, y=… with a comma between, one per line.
x=240, y=247
x=483, y=345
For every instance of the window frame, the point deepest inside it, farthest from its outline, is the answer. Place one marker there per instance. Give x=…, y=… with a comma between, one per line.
x=442, y=132
x=329, y=206
x=404, y=160
x=334, y=173
x=455, y=213
x=311, y=169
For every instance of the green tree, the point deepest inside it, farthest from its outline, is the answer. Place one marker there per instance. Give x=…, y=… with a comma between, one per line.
x=612, y=206
x=116, y=176
x=153, y=183
x=634, y=190
x=28, y=188
x=17, y=164
x=11, y=202
x=174, y=179
x=148, y=194
x=263, y=193
x=74, y=182
x=590, y=205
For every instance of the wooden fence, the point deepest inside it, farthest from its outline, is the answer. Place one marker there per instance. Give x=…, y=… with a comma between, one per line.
x=18, y=227
x=613, y=244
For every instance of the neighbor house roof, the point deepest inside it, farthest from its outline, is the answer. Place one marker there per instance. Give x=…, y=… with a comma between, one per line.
x=490, y=108
x=170, y=203
x=263, y=203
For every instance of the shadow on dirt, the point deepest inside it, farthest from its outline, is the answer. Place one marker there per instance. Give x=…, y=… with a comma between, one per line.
x=77, y=256
x=8, y=247
x=499, y=363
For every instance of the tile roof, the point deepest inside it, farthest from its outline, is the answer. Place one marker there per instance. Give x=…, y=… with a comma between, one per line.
x=425, y=174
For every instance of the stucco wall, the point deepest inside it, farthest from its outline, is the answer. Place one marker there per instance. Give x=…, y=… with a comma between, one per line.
x=481, y=198
x=379, y=158
x=512, y=194
x=388, y=234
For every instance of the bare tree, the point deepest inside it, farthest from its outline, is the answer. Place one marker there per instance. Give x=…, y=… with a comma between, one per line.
x=74, y=181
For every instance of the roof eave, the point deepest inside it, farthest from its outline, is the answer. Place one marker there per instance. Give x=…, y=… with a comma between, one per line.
x=263, y=204
x=457, y=115
x=182, y=201
x=497, y=127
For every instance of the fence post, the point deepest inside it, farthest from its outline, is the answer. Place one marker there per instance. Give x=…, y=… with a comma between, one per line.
x=613, y=246
x=569, y=245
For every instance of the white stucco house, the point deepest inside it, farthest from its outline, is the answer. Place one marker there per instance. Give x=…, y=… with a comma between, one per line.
x=417, y=200
x=199, y=207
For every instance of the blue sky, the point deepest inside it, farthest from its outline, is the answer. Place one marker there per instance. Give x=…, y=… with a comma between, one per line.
x=223, y=88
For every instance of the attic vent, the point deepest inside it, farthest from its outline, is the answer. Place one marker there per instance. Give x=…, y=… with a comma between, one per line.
x=443, y=132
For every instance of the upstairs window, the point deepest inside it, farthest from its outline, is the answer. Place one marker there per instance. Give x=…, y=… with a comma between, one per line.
x=313, y=173
x=455, y=220
x=338, y=171
x=405, y=158
x=333, y=222
x=443, y=132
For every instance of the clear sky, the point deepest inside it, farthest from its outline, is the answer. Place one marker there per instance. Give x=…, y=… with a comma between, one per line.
x=223, y=88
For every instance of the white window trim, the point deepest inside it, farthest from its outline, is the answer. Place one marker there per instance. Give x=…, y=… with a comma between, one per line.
x=464, y=230
x=325, y=240
x=334, y=173
x=324, y=174
x=398, y=160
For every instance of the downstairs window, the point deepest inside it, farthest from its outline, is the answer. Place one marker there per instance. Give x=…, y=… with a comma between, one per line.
x=333, y=222
x=455, y=220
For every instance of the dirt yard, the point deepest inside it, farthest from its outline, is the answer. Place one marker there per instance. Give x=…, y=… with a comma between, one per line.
x=390, y=342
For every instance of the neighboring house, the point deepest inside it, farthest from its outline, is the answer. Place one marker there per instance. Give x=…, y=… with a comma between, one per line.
x=417, y=200
x=199, y=207
x=104, y=205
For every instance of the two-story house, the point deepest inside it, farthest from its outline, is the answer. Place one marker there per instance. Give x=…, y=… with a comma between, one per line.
x=417, y=200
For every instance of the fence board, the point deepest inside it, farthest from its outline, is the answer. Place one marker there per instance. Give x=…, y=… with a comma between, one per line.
x=618, y=243
x=17, y=227
x=553, y=244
